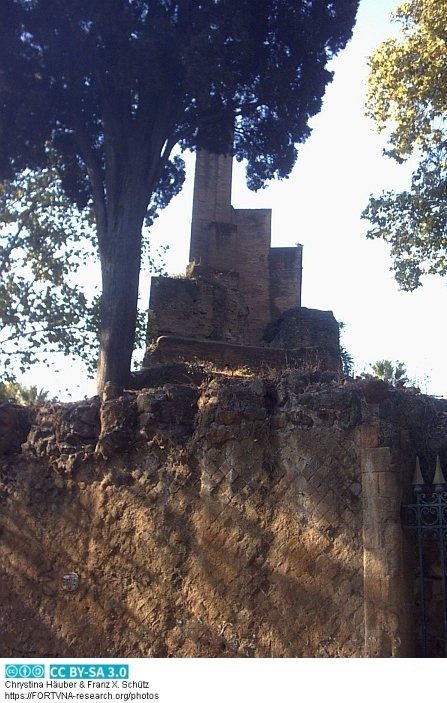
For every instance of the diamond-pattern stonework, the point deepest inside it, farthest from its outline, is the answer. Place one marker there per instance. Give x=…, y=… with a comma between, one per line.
x=246, y=518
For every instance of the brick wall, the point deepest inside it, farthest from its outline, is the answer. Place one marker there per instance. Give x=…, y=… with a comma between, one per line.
x=236, y=245
x=238, y=289
x=305, y=327
x=211, y=204
x=253, y=250
x=285, y=269
x=210, y=308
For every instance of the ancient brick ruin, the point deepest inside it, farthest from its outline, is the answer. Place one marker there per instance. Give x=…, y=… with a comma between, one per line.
x=240, y=300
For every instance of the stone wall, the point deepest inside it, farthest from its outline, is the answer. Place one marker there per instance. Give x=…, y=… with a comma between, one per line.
x=244, y=518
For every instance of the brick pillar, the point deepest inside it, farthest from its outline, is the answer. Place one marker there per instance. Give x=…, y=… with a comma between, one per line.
x=385, y=590
x=211, y=208
x=286, y=272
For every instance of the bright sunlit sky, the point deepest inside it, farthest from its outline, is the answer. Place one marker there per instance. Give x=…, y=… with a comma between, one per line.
x=319, y=206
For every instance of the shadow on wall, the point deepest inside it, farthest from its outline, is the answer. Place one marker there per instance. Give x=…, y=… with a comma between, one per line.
x=243, y=541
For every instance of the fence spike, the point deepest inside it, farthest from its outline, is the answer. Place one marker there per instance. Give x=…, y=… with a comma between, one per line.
x=418, y=479
x=438, y=478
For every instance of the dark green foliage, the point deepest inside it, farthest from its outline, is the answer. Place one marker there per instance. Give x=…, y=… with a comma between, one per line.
x=75, y=69
x=347, y=361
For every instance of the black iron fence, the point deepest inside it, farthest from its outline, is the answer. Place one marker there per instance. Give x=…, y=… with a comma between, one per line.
x=427, y=516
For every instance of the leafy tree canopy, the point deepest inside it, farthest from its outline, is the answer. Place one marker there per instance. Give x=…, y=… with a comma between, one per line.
x=386, y=370
x=43, y=244
x=23, y=395
x=408, y=96
x=114, y=85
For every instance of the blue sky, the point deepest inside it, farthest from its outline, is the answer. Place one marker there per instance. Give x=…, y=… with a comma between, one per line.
x=320, y=205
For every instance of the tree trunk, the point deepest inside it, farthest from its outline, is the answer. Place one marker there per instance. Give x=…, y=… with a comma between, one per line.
x=120, y=253
x=134, y=162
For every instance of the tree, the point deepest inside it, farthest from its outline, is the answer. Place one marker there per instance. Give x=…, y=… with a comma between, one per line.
x=42, y=247
x=347, y=361
x=45, y=245
x=387, y=371
x=408, y=95
x=23, y=395
x=115, y=85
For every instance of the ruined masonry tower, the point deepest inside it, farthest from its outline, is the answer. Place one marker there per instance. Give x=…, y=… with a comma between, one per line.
x=240, y=300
